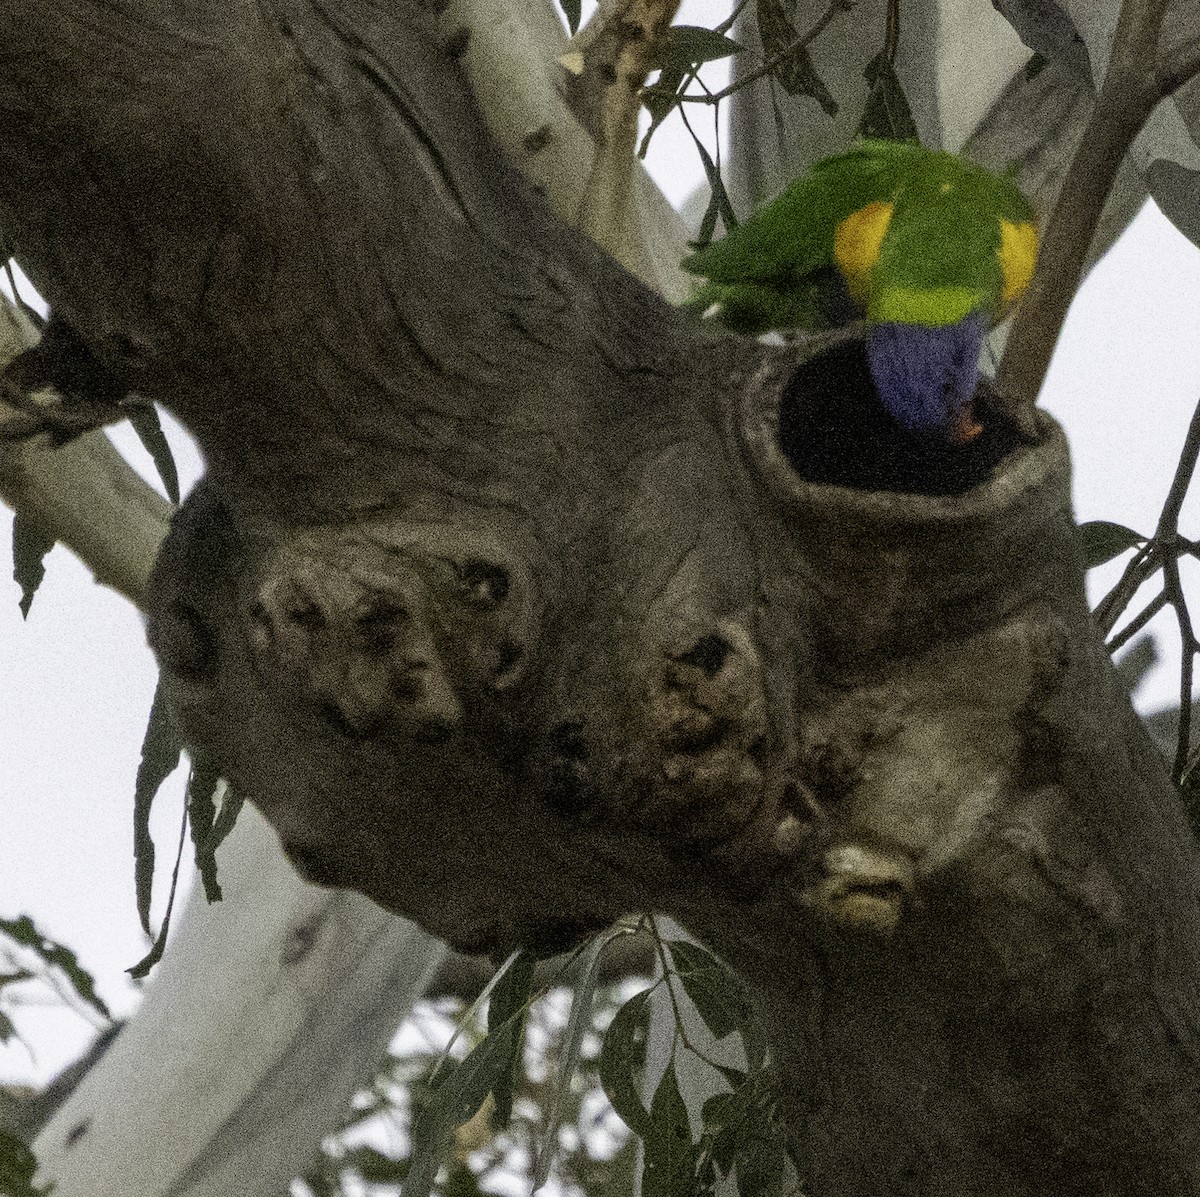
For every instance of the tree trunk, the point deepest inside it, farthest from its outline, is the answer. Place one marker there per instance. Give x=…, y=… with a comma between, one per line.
x=516, y=599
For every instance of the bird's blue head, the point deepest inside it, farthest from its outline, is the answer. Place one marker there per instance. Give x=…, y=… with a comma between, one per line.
x=926, y=376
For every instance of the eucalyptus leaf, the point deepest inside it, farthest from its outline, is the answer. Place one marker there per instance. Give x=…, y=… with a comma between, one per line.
x=886, y=113
x=374, y=1167
x=510, y=999
x=670, y=1155
x=1176, y=190
x=1048, y=30
x=24, y=932
x=690, y=45
x=720, y=197
x=742, y=1132
x=763, y=1169
x=152, y=957
x=455, y=1099
x=29, y=548
x=203, y=784
x=623, y=1061
x=719, y=996
x=1103, y=540
x=146, y=423
x=161, y=750
x=794, y=69
x=572, y=10
x=577, y=1025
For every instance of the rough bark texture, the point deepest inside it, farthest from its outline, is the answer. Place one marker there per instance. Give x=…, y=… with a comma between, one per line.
x=516, y=602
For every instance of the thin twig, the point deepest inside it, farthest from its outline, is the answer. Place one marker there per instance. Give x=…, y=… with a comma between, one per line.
x=780, y=56
x=726, y=25
x=1168, y=521
x=891, y=39
x=1142, y=566
x=1138, y=622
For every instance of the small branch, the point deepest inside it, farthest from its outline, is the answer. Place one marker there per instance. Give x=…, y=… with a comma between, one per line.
x=891, y=39
x=780, y=56
x=621, y=55
x=1136, y=624
x=1130, y=91
x=1142, y=566
x=1168, y=521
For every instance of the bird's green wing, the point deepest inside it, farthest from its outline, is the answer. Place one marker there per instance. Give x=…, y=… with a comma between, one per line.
x=793, y=234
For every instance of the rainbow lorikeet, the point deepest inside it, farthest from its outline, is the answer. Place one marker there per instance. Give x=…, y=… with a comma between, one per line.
x=930, y=249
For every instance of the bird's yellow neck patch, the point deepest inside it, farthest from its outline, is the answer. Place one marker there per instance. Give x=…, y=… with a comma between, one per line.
x=856, y=242
x=934, y=307
x=1017, y=253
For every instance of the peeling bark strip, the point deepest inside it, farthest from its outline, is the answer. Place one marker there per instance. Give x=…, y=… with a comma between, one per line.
x=516, y=601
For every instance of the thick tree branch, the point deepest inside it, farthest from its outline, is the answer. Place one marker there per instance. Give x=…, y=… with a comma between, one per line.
x=517, y=600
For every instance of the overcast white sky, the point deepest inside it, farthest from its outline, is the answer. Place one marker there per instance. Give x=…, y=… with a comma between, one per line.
x=76, y=679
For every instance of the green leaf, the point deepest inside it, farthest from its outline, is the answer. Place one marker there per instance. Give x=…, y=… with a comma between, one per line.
x=670, y=1154
x=623, y=1060
x=720, y=197
x=742, y=1131
x=762, y=1171
x=152, y=957
x=794, y=71
x=147, y=425
x=572, y=11
x=203, y=784
x=689, y=45
x=1176, y=190
x=719, y=996
x=577, y=1025
x=161, y=749
x=17, y=1168
x=886, y=115
x=1102, y=541
x=231, y=806
x=510, y=999
x=456, y=1098
x=373, y=1166
x=29, y=548
x=1047, y=29
x=22, y=930
x=661, y=100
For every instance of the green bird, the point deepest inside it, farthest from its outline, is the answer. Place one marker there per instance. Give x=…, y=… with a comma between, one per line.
x=930, y=249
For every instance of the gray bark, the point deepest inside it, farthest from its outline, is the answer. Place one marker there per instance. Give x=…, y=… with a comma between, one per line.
x=516, y=600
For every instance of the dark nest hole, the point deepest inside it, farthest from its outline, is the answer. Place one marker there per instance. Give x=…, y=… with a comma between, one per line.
x=834, y=429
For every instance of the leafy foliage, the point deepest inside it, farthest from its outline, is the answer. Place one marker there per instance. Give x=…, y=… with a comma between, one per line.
x=31, y=959
x=161, y=751
x=787, y=51
x=528, y=1095
x=209, y=822
x=57, y=959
